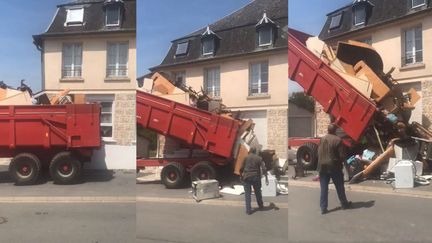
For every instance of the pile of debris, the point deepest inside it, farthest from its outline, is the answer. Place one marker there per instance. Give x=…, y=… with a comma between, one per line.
x=23, y=95
x=362, y=67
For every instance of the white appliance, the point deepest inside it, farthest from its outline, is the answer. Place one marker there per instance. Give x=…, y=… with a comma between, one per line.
x=404, y=174
x=205, y=189
x=270, y=189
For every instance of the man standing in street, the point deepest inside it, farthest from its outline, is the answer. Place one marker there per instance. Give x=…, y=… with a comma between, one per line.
x=251, y=171
x=330, y=165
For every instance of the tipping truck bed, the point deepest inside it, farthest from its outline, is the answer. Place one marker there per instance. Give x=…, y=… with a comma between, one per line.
x=194, y=127
x=352, y=111
x=61, y=136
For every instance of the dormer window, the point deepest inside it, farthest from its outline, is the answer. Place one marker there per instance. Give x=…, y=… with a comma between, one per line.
x=362, y=10
x=113, y=16
x=418, y=3
x=208, y=42
x=336, y=21
x=359, y=15
x=265, y=28
x=113, y=12
x=74, y=16
x=208, y=46
x=182, y=48
x=265, y=36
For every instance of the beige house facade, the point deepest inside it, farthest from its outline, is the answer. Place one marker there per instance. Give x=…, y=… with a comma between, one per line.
x=94, y=56
x=245, y=70
x=402, y=35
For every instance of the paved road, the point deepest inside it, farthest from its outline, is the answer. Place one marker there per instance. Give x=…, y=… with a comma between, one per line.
x=95, y=183
x=374, y=218
x=192, y=222
x=77, y=222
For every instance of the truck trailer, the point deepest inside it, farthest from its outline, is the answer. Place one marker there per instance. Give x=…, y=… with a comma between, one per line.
x=199, y=129
x=57, y=137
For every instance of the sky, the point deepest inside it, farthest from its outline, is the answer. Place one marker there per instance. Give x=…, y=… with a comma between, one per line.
x=309, y=16
x=19, y=58
x=160, y=22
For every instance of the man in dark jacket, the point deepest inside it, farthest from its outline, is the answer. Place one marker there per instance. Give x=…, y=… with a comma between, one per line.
x=251, y=176
x=330, y=165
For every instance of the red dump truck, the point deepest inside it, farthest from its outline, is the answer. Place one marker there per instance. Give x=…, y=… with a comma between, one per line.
x=352, y=111
x=195, y=127
x=60, y=137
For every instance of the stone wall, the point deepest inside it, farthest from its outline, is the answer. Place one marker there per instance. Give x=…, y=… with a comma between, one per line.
x=277, y=132
x=125, y=119
x=427, y=102
x=322, y=120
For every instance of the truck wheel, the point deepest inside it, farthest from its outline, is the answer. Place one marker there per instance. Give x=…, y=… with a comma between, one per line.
x=65, y=168
x=203, y=171
x=25, y=169
x=307, y=156
x=172, y=175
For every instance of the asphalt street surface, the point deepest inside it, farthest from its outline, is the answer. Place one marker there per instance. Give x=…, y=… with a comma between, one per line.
x=195, y=222
x=77, y=222
x=94, y=183
x=373, y=218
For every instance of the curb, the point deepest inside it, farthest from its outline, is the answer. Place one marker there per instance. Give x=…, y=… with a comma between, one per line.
x=367, y=189
x=211, y=202
x=19, y=199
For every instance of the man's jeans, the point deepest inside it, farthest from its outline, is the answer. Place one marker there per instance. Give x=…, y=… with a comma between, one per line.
x=338, y=181
x=254, y=182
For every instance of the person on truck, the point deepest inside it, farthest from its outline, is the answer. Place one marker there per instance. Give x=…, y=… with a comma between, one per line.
x=331, y=153
x=252, y=169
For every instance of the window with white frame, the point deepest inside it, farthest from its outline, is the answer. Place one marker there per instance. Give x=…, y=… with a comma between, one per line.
x=74, y=16
x=113, y=16
x=413, y=46
x=336, y=21
x=265, y=36
x=258, y=78
x=212, y=81
x=72, y=60
x=117, y=63
x=359, y=15
x=208, y=46
x=417, y=3
x=107, y=113
x=180, y=78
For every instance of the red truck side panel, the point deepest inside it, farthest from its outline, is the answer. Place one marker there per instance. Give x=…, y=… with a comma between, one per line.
x=71, y=126
x=352, y=111
x=193, y=126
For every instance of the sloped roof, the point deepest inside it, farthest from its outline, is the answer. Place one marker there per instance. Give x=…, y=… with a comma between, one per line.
x=381, y=12
x=94, y=19
x=237, y=33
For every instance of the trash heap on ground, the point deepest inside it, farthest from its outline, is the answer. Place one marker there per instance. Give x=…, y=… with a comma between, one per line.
x=392, y=147
x=159, y=84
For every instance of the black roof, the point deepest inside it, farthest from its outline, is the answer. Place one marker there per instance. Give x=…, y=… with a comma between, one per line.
x=236, y=33
x=379, y=12
x=94, y=19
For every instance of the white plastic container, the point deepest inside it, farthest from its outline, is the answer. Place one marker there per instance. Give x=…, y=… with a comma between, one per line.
x=270, y=190
x=404, y=174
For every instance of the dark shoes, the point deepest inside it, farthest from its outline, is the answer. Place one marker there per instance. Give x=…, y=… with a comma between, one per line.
x=347, y=205
x=248, y=212
x=324, y=211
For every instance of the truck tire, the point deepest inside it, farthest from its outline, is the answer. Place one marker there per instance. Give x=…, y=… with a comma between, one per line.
x=307, y=155
x=203, y=171
x=25, y=169
x=173, y=175
x=65, y=168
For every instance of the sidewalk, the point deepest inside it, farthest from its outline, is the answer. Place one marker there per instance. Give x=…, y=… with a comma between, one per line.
x=369, y=186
